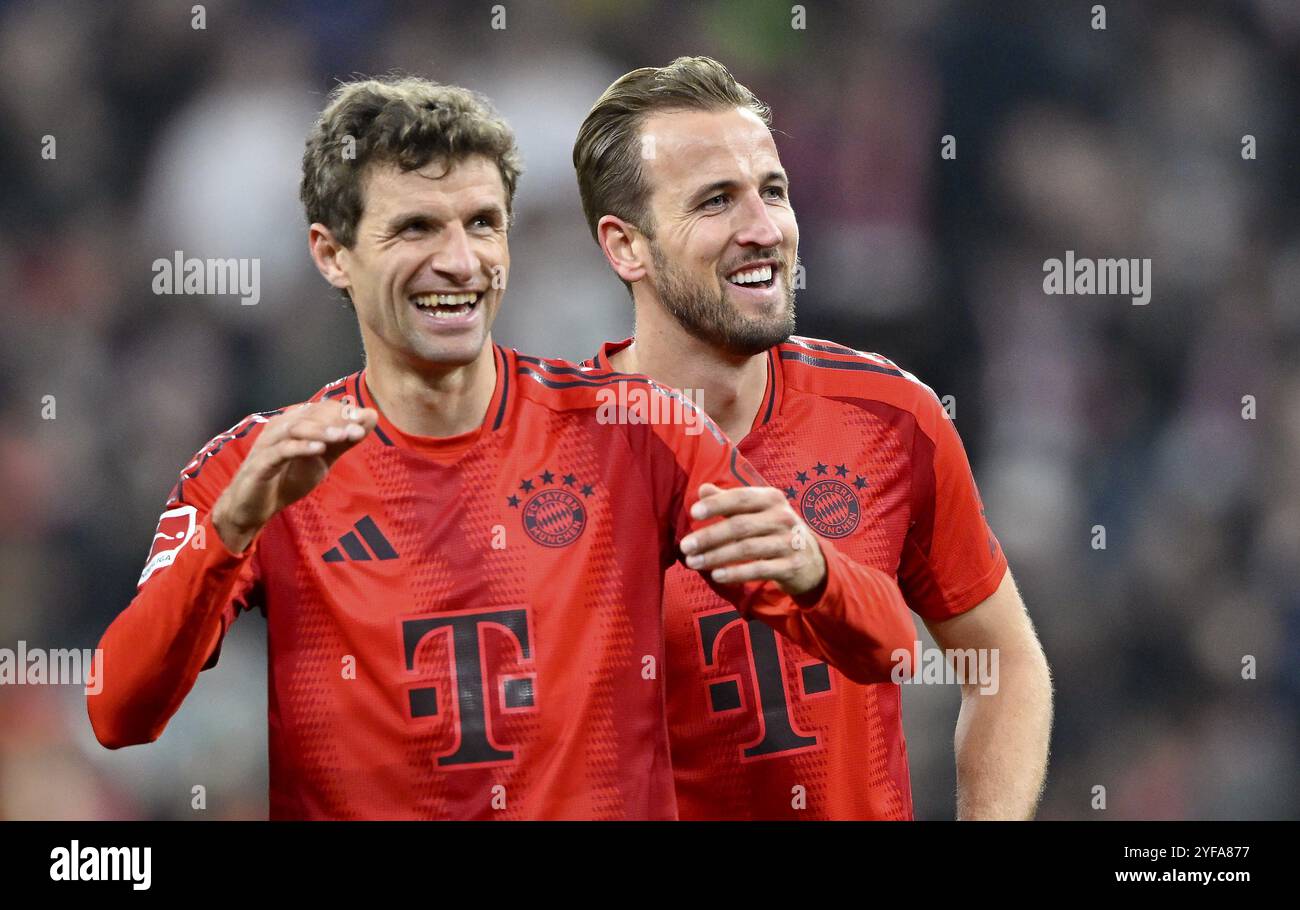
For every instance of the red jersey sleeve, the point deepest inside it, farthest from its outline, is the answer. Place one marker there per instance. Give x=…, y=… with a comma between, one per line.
x=855, y=620
x=951, y=561
x=189, y=593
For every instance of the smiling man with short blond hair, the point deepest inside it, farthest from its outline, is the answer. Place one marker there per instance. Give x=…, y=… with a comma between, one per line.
x=684, y=192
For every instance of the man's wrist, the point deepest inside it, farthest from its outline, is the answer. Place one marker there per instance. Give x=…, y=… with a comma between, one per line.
x=813, y=595
x=234, y=538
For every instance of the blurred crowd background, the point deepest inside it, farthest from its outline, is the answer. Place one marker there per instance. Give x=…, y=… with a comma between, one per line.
x=1076, y=411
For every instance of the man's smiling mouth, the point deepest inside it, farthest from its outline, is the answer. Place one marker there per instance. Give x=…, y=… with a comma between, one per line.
x=753, y=276
x=447, y=306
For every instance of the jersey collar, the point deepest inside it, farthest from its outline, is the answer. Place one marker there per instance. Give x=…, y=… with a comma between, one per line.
x=608, y=350
x=773, y=394
x=770, y=406
x=444, y=447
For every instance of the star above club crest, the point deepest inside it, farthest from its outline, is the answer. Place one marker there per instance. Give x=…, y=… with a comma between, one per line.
x=860, y=482
x=587, y=490
x=526, y=486
x=513, y=501
x=569, y=480
x=790, y=493
x=841, y=470
x=802, y=477
x=548, y=477
x=820, y=468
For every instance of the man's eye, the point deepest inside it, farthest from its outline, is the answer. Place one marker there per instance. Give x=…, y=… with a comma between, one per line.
x=715, y=201
x=778, y=192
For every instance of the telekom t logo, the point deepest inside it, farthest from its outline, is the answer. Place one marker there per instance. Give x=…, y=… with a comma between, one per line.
x=775, y=714
x=472, y=679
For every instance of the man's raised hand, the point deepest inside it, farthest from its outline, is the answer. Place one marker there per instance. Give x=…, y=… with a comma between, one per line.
x=288, y=460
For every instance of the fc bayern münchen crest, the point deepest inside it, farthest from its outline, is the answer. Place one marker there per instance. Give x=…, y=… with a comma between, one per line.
x=553, y=516
x=830, y=506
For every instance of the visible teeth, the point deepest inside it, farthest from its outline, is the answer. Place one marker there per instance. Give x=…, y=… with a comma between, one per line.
x=753, y=276
x=436, y=300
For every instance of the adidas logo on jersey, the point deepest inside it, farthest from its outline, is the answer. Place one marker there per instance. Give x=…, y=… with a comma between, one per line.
x=350, y=547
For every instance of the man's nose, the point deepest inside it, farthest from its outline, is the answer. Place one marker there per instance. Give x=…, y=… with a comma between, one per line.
x=455, y=258
x=757, y=226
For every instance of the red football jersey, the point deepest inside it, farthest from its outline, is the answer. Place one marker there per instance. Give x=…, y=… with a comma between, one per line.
x=867, y=456
x=461, y=627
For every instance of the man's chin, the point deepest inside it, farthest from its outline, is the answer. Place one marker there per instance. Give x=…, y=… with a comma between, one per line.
x=734, y=334
x=754, y=333
x=450, y=354
x=747, y=344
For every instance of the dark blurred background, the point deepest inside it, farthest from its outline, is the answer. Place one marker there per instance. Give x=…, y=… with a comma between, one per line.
x=1076, y=411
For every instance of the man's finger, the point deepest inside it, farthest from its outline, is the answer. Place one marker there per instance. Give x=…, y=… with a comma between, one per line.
x=277, y=428
x=328, y=421
x=325, y=431
x=738, y=527
x=760, y=570
x=274, y=456
x=366, y=417
x=747, y=550
x=732, y=502
x=331, y=409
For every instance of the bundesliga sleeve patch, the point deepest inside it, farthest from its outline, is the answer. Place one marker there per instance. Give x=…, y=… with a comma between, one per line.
x=175, y=528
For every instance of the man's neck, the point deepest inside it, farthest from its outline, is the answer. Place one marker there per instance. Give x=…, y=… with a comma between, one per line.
x=433, y=401
x=732, y=386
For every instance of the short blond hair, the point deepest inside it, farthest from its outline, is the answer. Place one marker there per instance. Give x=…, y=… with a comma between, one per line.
x=607, y=152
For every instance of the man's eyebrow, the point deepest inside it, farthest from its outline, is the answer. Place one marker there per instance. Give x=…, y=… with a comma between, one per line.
x=709, y=190
x=716, y=186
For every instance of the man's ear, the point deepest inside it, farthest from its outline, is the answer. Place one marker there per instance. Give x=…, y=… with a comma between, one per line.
x=618, y=241
x=330, y=256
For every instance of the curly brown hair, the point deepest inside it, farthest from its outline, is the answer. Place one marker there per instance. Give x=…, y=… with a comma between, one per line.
x=407, y=121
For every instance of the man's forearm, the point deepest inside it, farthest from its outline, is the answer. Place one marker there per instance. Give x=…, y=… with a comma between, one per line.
x=154, y=650
x=857, y=620
x=1002, y=741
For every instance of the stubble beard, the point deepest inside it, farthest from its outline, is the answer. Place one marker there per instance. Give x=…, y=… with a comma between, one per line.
x=708, y=315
